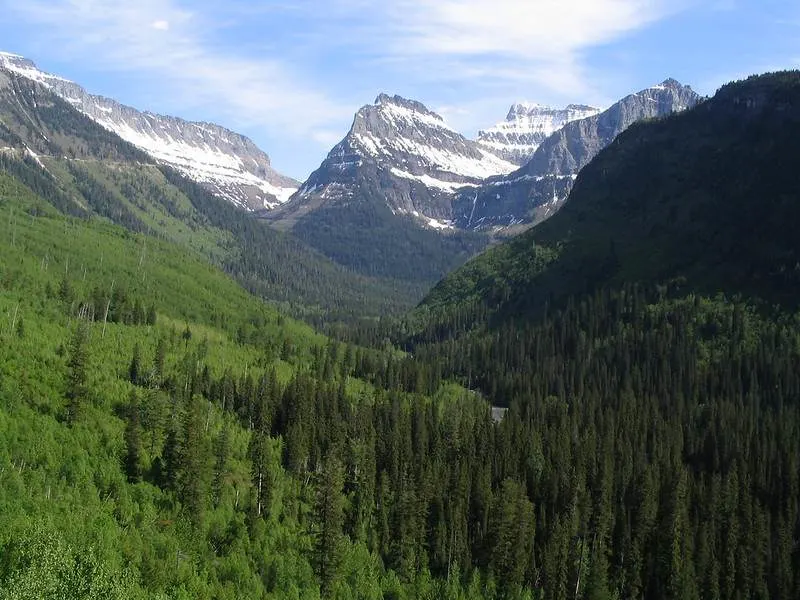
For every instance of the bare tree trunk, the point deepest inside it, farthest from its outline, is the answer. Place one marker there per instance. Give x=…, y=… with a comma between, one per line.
x=108, y=306
x=258, y=502
x=14, y=319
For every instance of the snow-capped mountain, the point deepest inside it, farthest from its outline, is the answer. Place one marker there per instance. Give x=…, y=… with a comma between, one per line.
x=526, y=126
x=539, y=188
x=402, y=154
x=227, y=163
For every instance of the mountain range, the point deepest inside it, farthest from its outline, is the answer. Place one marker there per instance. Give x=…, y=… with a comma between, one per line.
x=537, y=189
x=403, y=195
x=227, y=163
x=401, y=154
x=526, y=126
x=703, y=201
x=88, y=171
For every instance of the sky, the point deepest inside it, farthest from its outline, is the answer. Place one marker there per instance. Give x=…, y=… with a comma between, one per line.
x=290, y=74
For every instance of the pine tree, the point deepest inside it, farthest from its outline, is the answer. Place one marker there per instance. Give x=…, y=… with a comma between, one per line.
x=512, y=534
x=193, y=459
x=65, y=292
x=170, y=458
x=151, y=315
x=159, y=360
x=222, y=451
x=329, y=516
x=133, y=441
x=135, y=368
x=77, y=391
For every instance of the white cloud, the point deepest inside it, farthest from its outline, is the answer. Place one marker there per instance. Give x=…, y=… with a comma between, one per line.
x=302, y=76
x=249, y=91
x=500, y=41
x=536, y=29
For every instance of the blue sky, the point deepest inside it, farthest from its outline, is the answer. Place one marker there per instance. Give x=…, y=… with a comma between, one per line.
x=291, y=73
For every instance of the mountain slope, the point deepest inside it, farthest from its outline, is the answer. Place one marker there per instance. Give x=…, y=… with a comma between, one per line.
x=526, y=126
x=408, y=151
x=706, y=199
x=85, y=170
x=537, y=189
x=227, y=163
x=379, y=197
x=645, y=342
x=145, y=396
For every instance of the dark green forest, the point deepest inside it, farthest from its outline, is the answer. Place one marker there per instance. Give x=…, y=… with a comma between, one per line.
x=165, y=432
x=368, y=238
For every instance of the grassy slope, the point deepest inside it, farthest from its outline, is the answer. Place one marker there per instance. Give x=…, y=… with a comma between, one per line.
x=71, y=525
x=63, y=491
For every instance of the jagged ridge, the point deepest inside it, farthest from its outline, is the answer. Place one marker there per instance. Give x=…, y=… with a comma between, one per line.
x=228, y=163
x=407, y=151
x=539, y=188
x=526, y=126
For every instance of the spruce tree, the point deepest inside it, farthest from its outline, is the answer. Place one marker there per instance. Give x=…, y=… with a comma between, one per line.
x=193, y=461
x=77, y=391
x=133, y=440
x=329, y=516
x=222, y=451
x=135, y=368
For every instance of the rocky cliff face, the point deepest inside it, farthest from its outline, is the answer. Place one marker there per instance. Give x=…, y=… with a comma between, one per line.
x=537, y=189
x=228, y=163
x=401, y=154
x=526, y=127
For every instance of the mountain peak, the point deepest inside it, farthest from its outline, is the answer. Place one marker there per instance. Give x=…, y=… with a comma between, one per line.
x=396, y=100
x=25, y=67
x=526, y=126
x=671, y=84
x=524, y=107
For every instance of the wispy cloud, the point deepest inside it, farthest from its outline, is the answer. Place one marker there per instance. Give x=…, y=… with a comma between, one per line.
x=542, y=42
x=295, y=70
x=164, y=41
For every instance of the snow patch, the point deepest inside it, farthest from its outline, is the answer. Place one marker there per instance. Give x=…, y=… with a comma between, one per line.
x=527, y=125
x=427, y=180
x=436, y=224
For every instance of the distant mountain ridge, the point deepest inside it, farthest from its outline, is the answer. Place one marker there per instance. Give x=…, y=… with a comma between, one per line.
x=383, y=196
x=538, y=188
x=526, y=126
x=705, y=199
x=412, y=158
x=225, y=162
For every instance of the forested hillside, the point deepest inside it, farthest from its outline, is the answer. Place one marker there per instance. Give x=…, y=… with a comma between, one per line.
x=165, y=433
x=707, y=198
x=646, y=341
x=85, y=170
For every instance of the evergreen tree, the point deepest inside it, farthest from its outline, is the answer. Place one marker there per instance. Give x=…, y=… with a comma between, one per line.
x=159, y=360
x=77, y=391
x=135, y=368
x=222, y=451
x=133, y=442
x=329, y=519
x=170, y=458
x=193, y=465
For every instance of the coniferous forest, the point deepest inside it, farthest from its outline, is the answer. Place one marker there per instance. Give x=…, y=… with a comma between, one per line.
x=589, y=412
